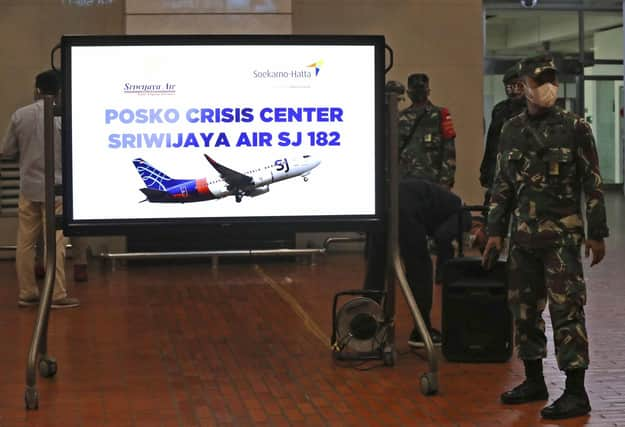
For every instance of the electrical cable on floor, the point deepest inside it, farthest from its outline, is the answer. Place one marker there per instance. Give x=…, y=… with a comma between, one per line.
x=357, y=365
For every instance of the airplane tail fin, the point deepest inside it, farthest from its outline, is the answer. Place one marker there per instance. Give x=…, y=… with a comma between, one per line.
x=152, y=177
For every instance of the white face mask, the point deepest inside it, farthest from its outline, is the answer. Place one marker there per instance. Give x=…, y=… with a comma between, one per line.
x=543, y=96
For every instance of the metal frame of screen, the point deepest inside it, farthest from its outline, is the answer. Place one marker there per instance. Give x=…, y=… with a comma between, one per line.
x=72, y=226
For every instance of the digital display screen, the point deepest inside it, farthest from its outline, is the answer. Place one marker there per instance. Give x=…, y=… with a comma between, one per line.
x=214, y=130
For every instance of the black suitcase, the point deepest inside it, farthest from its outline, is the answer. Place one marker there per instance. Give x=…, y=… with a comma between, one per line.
x=476, y=320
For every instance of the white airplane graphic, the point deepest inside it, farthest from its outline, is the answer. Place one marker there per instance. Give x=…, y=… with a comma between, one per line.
x=160, y=188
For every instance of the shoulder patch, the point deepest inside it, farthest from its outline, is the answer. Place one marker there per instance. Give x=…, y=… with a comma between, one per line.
x=447, y=125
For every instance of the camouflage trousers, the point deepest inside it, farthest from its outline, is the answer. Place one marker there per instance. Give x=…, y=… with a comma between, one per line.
x=536, y=276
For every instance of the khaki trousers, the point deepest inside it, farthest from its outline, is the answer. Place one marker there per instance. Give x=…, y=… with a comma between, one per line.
x=31, y=222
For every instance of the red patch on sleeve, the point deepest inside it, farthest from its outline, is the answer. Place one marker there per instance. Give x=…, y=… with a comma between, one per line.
x=447, y=126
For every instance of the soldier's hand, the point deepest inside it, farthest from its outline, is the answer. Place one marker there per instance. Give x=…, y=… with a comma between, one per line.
x=493, y=242
x=597, y=247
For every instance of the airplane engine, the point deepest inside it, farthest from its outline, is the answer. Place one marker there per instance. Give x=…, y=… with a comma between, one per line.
x=258, y=191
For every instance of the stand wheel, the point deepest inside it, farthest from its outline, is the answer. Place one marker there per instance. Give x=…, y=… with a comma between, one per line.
x=31, y=398
x=388, y=356
x=429, y=384
x=47, y=366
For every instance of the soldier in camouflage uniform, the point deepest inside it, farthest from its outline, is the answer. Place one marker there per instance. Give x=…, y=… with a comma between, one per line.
x=547, y=158
x=427, y=150
x=504, y=110
x=426, y=136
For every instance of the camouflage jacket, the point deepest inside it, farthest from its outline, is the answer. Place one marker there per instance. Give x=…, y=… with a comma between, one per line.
x=543, y=166
x=503, y=111
x=431, y=152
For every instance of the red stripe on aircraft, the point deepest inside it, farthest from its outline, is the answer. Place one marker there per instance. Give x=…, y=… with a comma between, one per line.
x=201, y=185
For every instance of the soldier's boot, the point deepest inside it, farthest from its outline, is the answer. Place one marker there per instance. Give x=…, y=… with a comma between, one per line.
x=573, y=402
x=530, y=390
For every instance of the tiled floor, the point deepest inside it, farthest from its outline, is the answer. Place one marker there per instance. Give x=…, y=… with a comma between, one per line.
x=247, y=345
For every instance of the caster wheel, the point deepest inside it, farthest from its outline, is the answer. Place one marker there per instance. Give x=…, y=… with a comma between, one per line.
x=429, y=384
x=47, y=367
x=31, y=398
x=388, y=357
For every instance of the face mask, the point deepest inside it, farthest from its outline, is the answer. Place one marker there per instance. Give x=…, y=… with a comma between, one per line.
x=419, y=95
x=543, y=96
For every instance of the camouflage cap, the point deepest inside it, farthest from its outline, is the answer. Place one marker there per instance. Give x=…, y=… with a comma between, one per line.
x=533, y=66
x=511, y=74
x=417, y=80
x=395, y=87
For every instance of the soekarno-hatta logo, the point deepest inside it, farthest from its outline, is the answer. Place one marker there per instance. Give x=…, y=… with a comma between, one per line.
x=306, y=72
x=316, y=66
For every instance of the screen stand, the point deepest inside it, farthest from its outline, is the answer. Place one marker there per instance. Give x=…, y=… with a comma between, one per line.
x=38, y=354
x=395, y=268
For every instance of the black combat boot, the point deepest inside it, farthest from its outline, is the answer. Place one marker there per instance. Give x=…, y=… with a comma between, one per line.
x=532, y=389
x=573, y=402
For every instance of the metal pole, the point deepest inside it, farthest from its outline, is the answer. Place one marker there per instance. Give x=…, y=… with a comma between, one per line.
x=391, y=204
x=581, y=102
x=211, y=254
x=214, y=255
x=38, y=346
x=429, y=380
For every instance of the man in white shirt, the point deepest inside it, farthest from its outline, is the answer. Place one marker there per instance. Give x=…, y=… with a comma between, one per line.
x=24, y=138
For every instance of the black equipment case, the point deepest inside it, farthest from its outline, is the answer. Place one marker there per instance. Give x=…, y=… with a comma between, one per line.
x=476, y=320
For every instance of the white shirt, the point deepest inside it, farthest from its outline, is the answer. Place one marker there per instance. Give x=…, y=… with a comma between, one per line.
x=24, y=137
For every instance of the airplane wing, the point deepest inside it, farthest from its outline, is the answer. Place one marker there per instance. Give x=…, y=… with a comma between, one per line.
x=233, y=178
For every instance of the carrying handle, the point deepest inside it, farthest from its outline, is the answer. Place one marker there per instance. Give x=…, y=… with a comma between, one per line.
x=54, y=49
x=390, y=58
x=470, y=208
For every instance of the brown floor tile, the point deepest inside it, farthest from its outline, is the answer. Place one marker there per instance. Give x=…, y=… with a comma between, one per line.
x=184, y=345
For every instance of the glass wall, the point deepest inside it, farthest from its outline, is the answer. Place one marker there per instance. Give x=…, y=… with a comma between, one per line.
x=602, y=89
x=575, y=33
